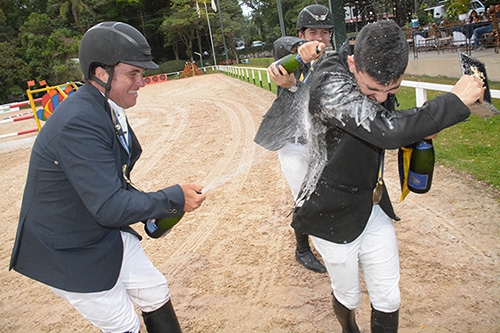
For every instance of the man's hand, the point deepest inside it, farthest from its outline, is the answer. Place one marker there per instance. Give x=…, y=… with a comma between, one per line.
x=307, y=52
x=469, y=90
x=311, y=50
x=193, y=196
x=282, y=79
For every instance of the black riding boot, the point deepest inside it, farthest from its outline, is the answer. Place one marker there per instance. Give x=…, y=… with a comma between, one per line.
x=346, y=317
x=163, y=320
x=304, y=255
x=383, y=322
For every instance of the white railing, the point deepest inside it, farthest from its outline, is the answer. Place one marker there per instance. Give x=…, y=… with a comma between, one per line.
x=420, y=87
x=244, y=73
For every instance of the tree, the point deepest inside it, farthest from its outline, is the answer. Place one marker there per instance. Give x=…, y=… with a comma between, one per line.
x=233, y=22
x=38, y=53
x=39, y=38
x=181, y=24
x=458, y=7
x=13, y=73
x=76, y=7
x=172, y=39
x=62, y=45
x=33, y=37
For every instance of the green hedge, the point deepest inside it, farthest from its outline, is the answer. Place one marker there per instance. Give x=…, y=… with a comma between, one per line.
x=260, y=62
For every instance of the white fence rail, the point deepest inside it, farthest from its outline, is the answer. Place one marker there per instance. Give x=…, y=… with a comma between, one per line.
x=247, y=73
x=244, y=73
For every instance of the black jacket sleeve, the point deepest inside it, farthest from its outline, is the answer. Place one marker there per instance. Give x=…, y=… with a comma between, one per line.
x=286, y=45
x=336, y=98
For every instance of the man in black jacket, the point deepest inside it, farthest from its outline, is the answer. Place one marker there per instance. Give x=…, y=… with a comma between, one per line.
x=74, y=231
x=282, y=127
x=352, y=121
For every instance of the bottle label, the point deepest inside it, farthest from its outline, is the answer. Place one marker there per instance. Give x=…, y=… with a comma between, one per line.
x=151, y=226
x=424, y=145
x=300, y=60
x=417, y=181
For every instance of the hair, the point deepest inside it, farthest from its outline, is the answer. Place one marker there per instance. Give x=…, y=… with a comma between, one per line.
x=381, y=51
x=93, y=67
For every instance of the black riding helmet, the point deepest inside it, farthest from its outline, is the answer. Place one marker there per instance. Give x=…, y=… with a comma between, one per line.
x=109, y=43
x=315, y=17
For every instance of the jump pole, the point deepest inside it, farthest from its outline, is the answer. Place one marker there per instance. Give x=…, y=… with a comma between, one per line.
x=16, y=106
x=32, y=102
x=19, y=133
x=11, y=120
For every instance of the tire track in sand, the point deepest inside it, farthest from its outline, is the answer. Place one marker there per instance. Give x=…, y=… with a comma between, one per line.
x=237, y=159
x=176, y=122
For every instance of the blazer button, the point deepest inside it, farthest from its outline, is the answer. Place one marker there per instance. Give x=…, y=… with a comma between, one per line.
x=56, y=162
x=174, y=210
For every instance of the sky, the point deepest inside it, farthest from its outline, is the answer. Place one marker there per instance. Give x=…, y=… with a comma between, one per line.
x=246, y=10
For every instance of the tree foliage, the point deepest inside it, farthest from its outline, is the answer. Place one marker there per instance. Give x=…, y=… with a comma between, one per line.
x=265, y=23
x=458, y=7
x=39, y=38
x=233, y=23
x=182, y=24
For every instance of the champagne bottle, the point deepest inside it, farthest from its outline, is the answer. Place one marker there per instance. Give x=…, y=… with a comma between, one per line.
x=291, y=62
x=160, y=227
x=421, y=167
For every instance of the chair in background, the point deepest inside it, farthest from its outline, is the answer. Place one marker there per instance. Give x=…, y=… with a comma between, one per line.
x=457, y=33
x=430, y=42
x=445, y=38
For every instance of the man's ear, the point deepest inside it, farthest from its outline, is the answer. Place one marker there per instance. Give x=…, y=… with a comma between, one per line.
x=301, y=35
x=101, y=74
x=352, y=65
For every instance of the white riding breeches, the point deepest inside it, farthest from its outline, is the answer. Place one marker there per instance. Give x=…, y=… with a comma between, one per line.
x=376, y=251
x=139, y=281
x=294, y=163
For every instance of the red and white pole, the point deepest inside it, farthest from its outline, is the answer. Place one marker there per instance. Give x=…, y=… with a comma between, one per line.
x=16, y=119
x=18, y=133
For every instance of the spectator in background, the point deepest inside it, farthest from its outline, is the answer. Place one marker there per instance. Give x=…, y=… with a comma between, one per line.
x=492, y=15
x=473, y=17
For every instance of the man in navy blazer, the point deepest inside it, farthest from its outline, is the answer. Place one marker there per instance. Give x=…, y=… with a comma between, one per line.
x=74, y=229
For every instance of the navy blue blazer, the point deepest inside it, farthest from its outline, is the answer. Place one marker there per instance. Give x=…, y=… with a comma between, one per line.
x=76, y=200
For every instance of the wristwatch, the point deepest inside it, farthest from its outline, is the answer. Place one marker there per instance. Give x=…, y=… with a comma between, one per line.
x=293, y=88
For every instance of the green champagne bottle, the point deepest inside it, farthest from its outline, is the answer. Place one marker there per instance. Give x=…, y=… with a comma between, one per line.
x=160, y=227
x=421, y=167
x=291, y=62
